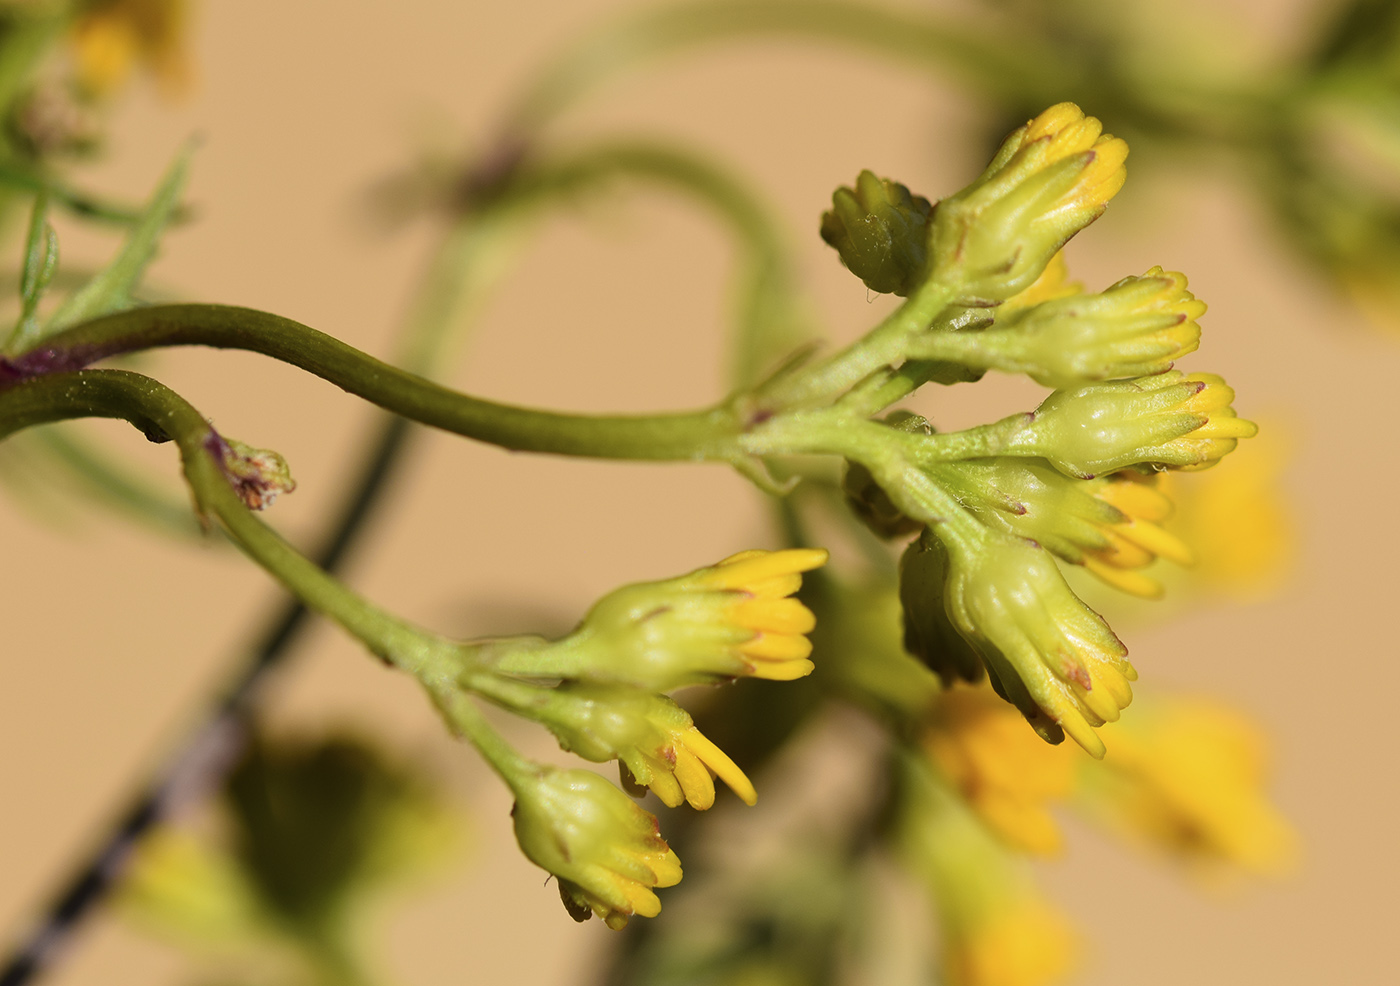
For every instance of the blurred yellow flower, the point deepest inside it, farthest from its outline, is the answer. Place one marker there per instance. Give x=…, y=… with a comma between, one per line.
x=181, y=886
x=997, y=930
x=1024, y=943
x=112, y=37
x=1007, y=774
x=1236, y=519
x=1188, y=775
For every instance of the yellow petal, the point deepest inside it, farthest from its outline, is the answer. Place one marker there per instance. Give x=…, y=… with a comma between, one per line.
x=776, y=647
x=1156, y=540
x=694, y=779
x=1133, y=583
x=719, y=761
x=780, y=615
x=782, y=670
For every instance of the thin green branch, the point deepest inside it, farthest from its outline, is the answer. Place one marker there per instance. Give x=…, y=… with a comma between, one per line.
x=998, y=65
x=768, y=325
x=698, y=435
x=163, y=415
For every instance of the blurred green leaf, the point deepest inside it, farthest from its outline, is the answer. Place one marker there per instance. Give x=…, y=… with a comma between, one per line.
x=111, y=289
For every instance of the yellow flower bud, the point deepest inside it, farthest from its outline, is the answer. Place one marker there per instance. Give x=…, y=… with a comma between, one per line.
x=1050, y=655
x=1110, y=525
x=735, y=619
x=1164, y=420
x=1137, y=327
x=1050, y=179
x=606, y=851
x=651, y=736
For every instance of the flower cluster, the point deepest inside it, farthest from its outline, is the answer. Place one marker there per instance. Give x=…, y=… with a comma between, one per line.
x=600, y=690
x=1002, y=506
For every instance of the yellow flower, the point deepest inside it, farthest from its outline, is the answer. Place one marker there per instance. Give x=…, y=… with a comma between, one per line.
x=651, y=736
x=1168, y=419
x=1138, y=539
x=606, y=851
x=1047, y=653
x=110, y=37
x=731, y=620
x=1111, y=525
x=1050, y=179
x=761, y=582
x=179, y=885
x=1188, y=775
x=1006, y=773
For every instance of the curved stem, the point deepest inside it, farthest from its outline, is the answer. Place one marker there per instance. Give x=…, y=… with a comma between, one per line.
x=999, y=66
x=767, y=325
x=705, y=434
x=164, y=415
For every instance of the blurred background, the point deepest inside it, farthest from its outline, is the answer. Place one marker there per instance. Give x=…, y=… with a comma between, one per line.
x=116, y=637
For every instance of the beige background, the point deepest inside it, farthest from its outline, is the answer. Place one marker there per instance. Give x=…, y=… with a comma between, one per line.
x=113, y=636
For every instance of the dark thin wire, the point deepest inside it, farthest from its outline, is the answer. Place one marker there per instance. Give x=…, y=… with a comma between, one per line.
x=215, y=744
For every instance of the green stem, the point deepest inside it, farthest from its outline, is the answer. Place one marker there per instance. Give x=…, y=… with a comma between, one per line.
x=767, y=321
x=839, y=431
x=466, y=720
x=535, y=657
x=162, y=414
x=697, y=435
x=881, y=347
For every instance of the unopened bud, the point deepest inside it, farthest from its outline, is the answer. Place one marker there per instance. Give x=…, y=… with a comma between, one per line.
x=880, y=230
x=928, y=633
x=1047, y=653
x=606, y=851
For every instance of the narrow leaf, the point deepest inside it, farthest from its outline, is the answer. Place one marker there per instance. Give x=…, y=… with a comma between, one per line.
x=111, y=289
x=40, y=261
